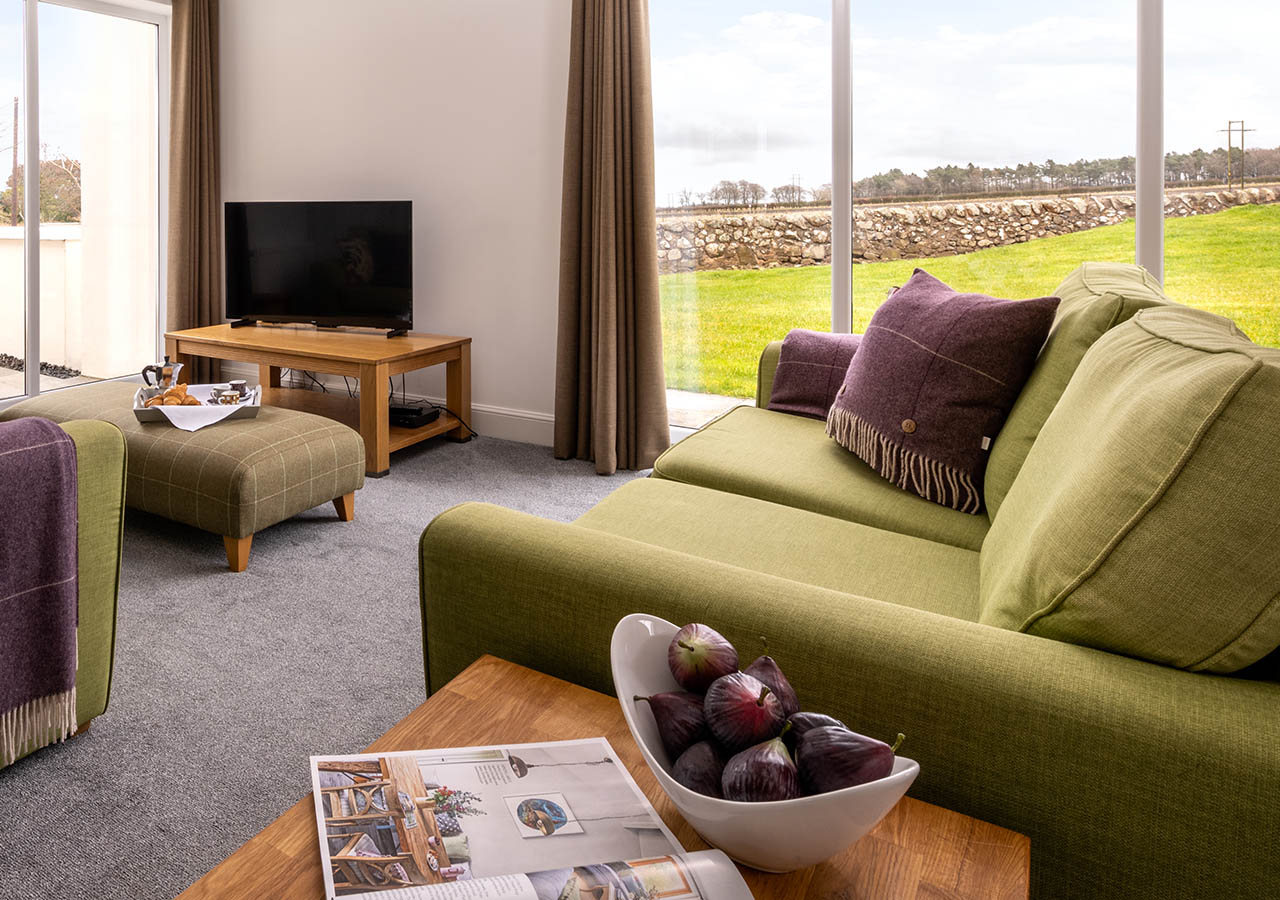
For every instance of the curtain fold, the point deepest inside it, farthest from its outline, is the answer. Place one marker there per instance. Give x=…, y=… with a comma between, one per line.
x=611, y=404
x=195, y=184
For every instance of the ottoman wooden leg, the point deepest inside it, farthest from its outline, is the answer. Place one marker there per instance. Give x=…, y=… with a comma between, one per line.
x=238, y=552
x=346, y=506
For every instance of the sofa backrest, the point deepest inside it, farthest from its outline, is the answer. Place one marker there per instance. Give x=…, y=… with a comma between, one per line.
x=1095, y=298
x=1143, y=521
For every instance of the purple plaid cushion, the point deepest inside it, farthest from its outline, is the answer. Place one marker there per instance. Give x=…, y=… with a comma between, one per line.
x=810, y=370
x=932, y=382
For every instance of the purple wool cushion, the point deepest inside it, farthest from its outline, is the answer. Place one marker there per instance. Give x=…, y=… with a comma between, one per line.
x=932, y=382
x=811, y=368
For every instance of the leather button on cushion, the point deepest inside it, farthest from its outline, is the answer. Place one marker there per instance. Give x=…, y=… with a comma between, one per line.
x=909, y=426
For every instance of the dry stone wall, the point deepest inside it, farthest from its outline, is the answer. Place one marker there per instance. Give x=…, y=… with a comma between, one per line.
x=752, y=240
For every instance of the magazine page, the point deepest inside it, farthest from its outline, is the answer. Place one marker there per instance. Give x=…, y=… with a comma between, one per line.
x=708, y=875
x=448, y=817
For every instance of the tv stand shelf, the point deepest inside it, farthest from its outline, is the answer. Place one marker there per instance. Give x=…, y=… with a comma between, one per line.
x=370, y=357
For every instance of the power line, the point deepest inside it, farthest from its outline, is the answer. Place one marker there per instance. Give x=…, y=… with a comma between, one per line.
x=1231, y=129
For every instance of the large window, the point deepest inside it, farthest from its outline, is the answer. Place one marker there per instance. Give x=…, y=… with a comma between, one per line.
x=997, y=145
x=88, y=307
x=993, y=144
x=742, y=110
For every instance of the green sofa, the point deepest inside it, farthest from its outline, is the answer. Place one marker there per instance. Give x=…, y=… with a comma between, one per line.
x=1132, y=778
x=100, y=468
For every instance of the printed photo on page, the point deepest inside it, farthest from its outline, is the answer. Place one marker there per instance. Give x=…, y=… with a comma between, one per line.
x=400, y=821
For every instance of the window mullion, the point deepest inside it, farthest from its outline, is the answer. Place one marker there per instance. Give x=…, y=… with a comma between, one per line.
x=841, y=168
x=31, y=195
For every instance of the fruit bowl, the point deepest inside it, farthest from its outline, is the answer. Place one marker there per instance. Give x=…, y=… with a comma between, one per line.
x=778, y=836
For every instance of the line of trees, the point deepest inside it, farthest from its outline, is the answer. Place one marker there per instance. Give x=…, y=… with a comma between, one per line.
x=1197, y=167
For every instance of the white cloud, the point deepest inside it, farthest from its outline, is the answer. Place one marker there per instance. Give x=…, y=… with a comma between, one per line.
x=755, y=103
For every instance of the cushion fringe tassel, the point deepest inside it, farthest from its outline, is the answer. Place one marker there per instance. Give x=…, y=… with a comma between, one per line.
x=37, y=723
x=908, y=470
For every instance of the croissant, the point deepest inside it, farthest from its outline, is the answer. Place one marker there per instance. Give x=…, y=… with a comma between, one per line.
x=190, y=401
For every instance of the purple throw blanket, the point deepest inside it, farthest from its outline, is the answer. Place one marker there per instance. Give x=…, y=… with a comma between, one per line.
x=811, y=369
x=38, y=586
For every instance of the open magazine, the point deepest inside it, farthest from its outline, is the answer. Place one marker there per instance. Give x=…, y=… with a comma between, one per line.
x=553, y=821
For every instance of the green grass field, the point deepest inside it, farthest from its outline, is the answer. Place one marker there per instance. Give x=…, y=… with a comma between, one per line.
x=715, y=323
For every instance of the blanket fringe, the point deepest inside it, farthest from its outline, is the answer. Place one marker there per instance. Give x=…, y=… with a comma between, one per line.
x=37, y=723
x=910, y=471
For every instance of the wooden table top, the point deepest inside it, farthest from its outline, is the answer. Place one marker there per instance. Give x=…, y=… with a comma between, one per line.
x=917, y=851
x=306, y=340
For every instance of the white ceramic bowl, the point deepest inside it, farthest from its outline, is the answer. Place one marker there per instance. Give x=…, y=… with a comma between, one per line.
x=779, y=836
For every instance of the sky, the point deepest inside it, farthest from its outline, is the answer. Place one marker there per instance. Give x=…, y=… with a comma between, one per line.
x=66, y=43
x=742, y=87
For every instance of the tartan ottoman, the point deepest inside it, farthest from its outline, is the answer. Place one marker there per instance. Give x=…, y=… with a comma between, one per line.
x=234, y=478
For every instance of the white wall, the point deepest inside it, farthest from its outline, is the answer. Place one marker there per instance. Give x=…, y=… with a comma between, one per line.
x=457, y=105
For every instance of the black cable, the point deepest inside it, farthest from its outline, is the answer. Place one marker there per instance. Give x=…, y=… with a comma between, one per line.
x=461, y=420
x=404, y=401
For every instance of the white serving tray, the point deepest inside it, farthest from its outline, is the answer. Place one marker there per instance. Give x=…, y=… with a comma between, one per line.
x=246, y=409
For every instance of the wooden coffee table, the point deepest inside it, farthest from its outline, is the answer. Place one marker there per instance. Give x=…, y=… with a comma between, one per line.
x=918, y=850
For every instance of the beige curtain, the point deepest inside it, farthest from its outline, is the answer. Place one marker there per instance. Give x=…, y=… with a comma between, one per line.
x=611, y=404
x=195, y=190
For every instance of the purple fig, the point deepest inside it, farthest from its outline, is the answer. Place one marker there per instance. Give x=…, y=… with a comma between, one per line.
x=768, y=672
x=741, y=710
x=804, y=721
x=698, y=655
x=680, y=720
x=700, y=768
x=761, y=773
x=830, y=758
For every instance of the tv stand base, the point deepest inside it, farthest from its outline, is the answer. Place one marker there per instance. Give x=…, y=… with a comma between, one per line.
x=241, y=323
x=366, y=357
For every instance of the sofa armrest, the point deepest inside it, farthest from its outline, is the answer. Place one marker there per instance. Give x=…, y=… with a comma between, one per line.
x=765, y=372
x=100, y=474
x=1131, y=779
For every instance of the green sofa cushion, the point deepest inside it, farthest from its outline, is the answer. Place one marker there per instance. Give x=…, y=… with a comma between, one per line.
x=1144, y=519
x=793, y=543
x=789, y=460
x=1095, y=298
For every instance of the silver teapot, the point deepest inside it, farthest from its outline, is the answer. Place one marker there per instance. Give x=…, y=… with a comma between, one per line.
x=165, y=373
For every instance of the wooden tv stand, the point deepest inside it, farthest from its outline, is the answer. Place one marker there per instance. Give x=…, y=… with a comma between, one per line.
x=370, y=357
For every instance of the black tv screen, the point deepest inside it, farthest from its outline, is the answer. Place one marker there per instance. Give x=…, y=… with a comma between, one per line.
x=331, y=262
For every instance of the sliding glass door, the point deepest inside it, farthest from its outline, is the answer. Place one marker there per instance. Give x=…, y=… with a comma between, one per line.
x=742, y=110
x=90, y=304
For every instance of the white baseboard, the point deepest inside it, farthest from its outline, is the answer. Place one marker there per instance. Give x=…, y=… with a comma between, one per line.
x=493, y=421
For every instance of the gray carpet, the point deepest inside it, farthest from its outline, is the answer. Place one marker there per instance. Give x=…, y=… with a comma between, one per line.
x=225, y=684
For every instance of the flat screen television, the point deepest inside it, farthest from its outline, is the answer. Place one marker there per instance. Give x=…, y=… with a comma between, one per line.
x=328, y=262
